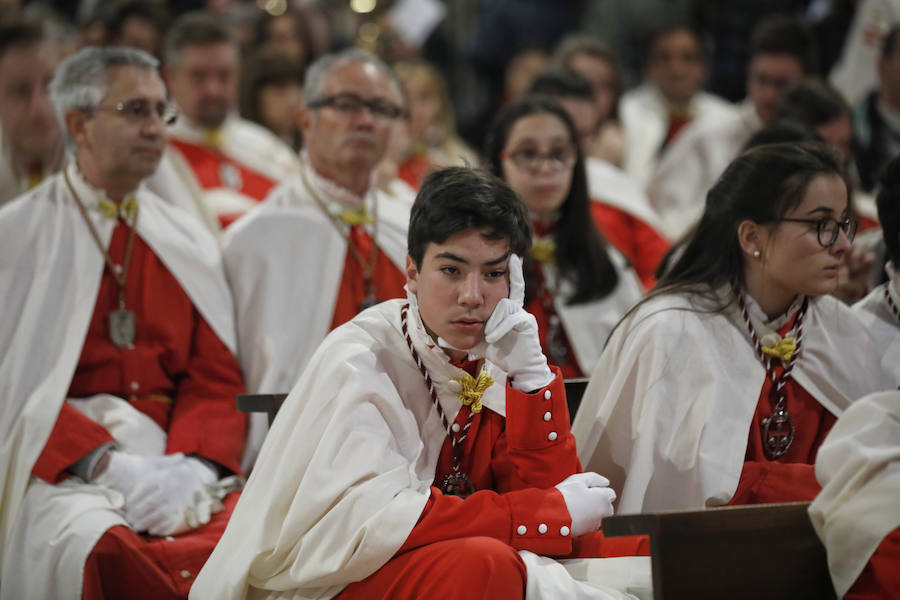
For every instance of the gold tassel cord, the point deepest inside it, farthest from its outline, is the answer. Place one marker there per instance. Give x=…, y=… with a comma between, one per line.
x=473, y=389
x=543, y=250
x=128, y=209
x=784, y=349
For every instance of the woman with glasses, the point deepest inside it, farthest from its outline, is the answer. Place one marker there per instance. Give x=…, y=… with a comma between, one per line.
x=576, y=285
x=720, y=386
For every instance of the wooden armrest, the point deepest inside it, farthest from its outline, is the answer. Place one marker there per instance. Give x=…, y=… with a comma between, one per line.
x=768, y=551
x=267, y=403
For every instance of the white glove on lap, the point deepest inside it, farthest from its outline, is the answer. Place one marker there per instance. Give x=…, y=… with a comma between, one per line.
x=172, y=499
x=589, y=500
x=511, y=337
x=124, y=471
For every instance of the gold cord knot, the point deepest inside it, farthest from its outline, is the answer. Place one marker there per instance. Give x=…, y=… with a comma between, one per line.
x=543, y=250
x=128, y=208
x=356, y=217
x=783, y=349
x=213, y=138
x=472, y=389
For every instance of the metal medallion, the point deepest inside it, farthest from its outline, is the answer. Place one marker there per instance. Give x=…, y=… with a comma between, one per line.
x=557, y=346
x=368, y=302
x=777, y=434
x=121, y=328
x=457, y=484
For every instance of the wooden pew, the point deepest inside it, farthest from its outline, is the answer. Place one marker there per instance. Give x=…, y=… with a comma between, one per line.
x=764, y=552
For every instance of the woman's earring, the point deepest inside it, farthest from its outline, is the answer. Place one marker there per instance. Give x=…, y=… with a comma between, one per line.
x=756, y=254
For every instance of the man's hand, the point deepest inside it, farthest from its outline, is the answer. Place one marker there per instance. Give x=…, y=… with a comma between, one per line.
x=173, y=499
x=511, y=337
x=589, y=500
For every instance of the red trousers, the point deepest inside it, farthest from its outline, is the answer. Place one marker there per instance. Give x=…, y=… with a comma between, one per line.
x=472, y=568
x=126, y=565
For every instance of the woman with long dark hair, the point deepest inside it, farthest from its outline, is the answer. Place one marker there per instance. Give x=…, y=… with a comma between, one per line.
x=720, y=386
x=576, y=285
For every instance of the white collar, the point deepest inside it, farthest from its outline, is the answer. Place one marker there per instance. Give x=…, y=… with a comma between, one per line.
x=89, y=195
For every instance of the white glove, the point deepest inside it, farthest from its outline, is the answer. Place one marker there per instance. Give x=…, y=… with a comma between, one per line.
x=511, y=337
x=173, y=499
x=125, y=471
x=589, y=500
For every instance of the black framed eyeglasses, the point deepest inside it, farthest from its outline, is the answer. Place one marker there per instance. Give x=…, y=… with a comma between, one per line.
x=141, y=109
x=828, y=228
x=351, y=104
x=529, y=159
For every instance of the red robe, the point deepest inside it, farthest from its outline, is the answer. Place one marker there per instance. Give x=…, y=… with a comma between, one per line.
x=638, y=242
x=514, y=467
x=208, y=163
x=181, y=375
x=386, y=277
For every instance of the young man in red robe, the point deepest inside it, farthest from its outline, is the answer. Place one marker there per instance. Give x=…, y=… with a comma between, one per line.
x=117, y=358
x=428, y=440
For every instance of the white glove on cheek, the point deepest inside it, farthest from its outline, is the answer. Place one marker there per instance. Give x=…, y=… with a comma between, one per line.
x=511, y=335
x=172, y=500
x=588, y=499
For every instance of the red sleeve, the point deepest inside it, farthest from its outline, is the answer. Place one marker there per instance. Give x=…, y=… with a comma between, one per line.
x=515, y=518
x=642, y=245
x=763, y=482
x=73, y=436
x=537, y=449
x=205, y=420
x=880, y=578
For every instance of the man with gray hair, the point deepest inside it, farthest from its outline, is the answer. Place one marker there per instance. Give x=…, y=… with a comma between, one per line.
x=325, y=244
x=116, y=358
x=217, y=164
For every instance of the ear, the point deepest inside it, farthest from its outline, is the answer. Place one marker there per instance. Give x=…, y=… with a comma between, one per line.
x=751, y=237
x=304, y=119
x=76, y=124
x=412, y=274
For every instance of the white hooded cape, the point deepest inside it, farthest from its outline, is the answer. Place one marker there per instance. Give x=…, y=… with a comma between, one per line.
x=667, y=412
x=346, y=471
x=284, y=261
x=858, y=466
x=243, y=141
x=50, y=269
x=876, y=315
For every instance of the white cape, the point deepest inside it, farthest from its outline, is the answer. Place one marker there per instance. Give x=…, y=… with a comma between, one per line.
x=50, y=270
x=284, y=261
x=242, y=141
x=876, y=315
x=346, y=471
x=858, y=466
x=667, y=412
x=610, y=185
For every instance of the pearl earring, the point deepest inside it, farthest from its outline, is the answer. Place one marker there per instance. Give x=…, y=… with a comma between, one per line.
x=756, y=254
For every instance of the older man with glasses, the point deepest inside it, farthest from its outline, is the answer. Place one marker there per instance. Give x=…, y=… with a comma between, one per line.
x=116, y=356
x=326, y=244
x=217, y=164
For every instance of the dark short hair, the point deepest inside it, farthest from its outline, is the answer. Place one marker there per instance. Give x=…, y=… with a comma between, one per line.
x=785, y=34
x=890, y=41
x=196, y=28
x=812, y=102
x=19, y=34
x=670, y=29
x=888, y=202
x=780, y=131
x=562, y=83
x=460, y=198
x=120, y=12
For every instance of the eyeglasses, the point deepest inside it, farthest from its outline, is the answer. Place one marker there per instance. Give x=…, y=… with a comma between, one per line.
x=140, y=109
x=827, y=228
x=529, y=159
x=351, y=104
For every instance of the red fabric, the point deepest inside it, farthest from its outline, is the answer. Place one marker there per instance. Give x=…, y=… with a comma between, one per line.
x=636, y=240
x=880, y=579
x=514, y=466
x=414, y=169
x=129, y=566
x=677, y=121
x=791, y=477
x=387, y=278
x=535, y=306
x=206, y=163
x=178, y=373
